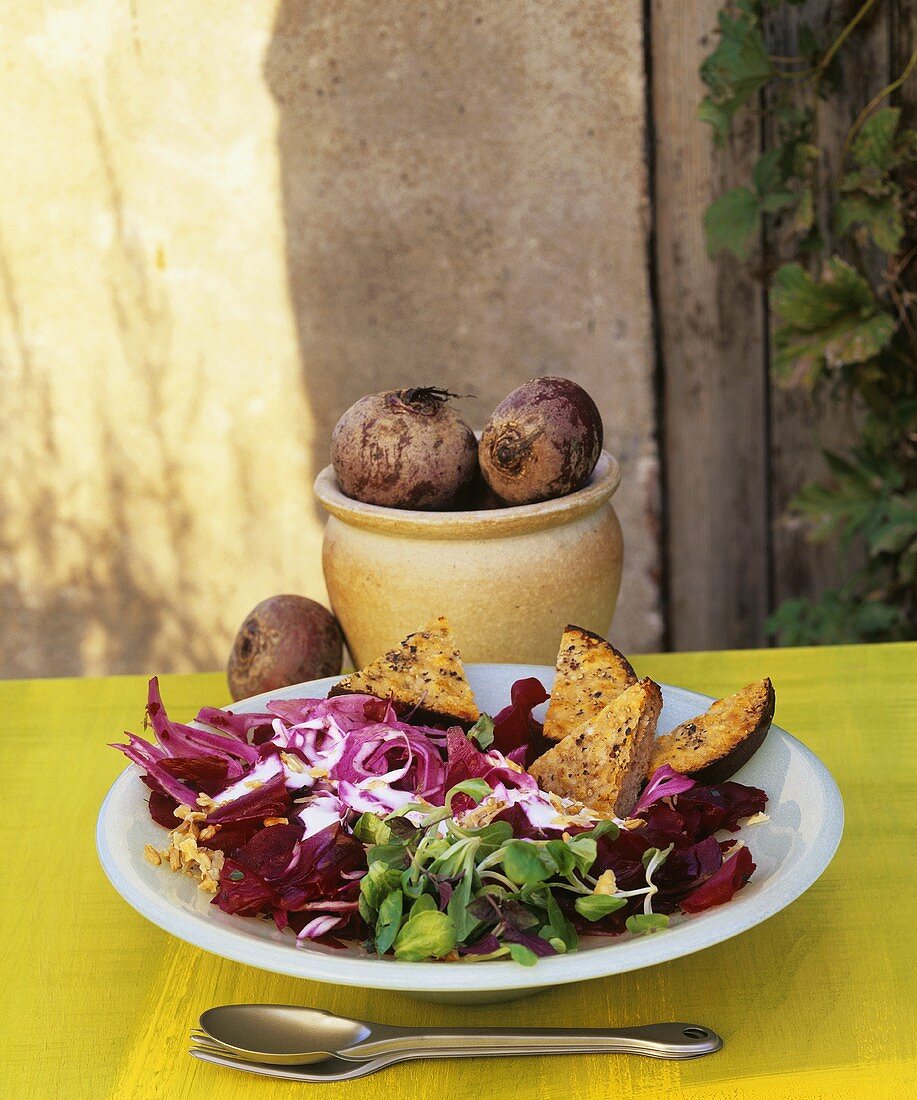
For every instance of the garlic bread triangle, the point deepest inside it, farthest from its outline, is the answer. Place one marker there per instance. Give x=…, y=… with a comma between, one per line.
x=713, y=746
x=591, y=673
x=424, y=672
x=602, y=764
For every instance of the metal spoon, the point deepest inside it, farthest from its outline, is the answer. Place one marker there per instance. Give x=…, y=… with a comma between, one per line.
x=291, y=1035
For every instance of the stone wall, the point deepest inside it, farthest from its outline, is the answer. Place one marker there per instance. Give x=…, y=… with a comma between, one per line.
x=220, y=226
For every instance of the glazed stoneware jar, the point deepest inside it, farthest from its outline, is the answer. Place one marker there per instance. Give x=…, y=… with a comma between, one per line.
x=509, y=579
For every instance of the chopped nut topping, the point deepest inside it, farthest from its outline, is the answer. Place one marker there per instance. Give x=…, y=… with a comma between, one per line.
x=606, y=883
x=253, y=784
x=269, y=821
x=152, y=856
x=757, y=819
x=293, y=763
x=183, y=854
x=188, y=847
x=209, y=832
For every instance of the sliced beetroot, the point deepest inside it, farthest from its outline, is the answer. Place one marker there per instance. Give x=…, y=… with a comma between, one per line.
x=243, y=891
x=162, y=808
x=514, y=725
x=271, y=799
x=229, y=838
x=706, y=810
x=722, y=885
x=686, y=868
x=205, y=774
x=270, y=850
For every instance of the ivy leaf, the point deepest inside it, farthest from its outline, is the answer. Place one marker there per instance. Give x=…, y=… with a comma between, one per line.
x=804, y=218
x=826, y=323
x=736, y=70
x=871, y=199
x=880, y=218
x=897, y=528
x=875, y=145
x=838, y=617
x=731, y=222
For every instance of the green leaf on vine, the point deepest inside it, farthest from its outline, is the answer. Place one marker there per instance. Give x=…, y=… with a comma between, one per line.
x=804, y=218
x=881, y=219
x=826, y=323
x=871, y=200
x=837, y=617
x=731, y=222
x=875, y=145
x=736, y=70
x=768, y=173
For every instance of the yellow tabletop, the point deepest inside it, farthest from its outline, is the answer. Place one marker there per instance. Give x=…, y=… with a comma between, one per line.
x=818, y=1001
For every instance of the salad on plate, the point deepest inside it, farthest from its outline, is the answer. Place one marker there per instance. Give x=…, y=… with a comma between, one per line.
x=394, y=815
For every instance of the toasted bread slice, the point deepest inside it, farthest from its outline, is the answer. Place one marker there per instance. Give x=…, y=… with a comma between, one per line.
x=602, y=764
x=423, y=674
x=713, y=746
x=590, y=674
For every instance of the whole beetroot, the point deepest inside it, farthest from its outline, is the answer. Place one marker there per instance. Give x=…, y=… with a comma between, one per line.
x=403, y=449
x=541, y=442
x=284, y=640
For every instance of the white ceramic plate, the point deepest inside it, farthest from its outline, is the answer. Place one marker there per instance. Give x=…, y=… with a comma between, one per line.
x=791, y=850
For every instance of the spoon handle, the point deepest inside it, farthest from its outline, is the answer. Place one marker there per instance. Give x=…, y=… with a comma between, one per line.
x=667, y=1040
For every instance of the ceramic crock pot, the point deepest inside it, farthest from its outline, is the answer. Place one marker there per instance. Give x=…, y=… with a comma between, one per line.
x=507, y=579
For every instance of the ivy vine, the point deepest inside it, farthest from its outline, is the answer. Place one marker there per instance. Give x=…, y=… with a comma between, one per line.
x=846, y=325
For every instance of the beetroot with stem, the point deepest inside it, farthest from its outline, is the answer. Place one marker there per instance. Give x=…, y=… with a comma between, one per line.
x=404, y=449
x=541, y=442
x=284, y=640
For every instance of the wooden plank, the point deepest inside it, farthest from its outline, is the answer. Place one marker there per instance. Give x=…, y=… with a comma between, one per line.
x=711, y=328
x=903, y=45
x=800, y=426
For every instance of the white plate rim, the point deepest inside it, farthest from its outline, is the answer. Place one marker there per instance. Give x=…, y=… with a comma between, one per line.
x=695, y=933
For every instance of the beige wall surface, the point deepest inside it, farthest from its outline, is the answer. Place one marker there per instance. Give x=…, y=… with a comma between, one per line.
x=221, y=224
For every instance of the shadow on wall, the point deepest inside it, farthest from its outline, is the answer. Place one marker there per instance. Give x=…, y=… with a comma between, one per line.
x=398, y=177
x=102, y=609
